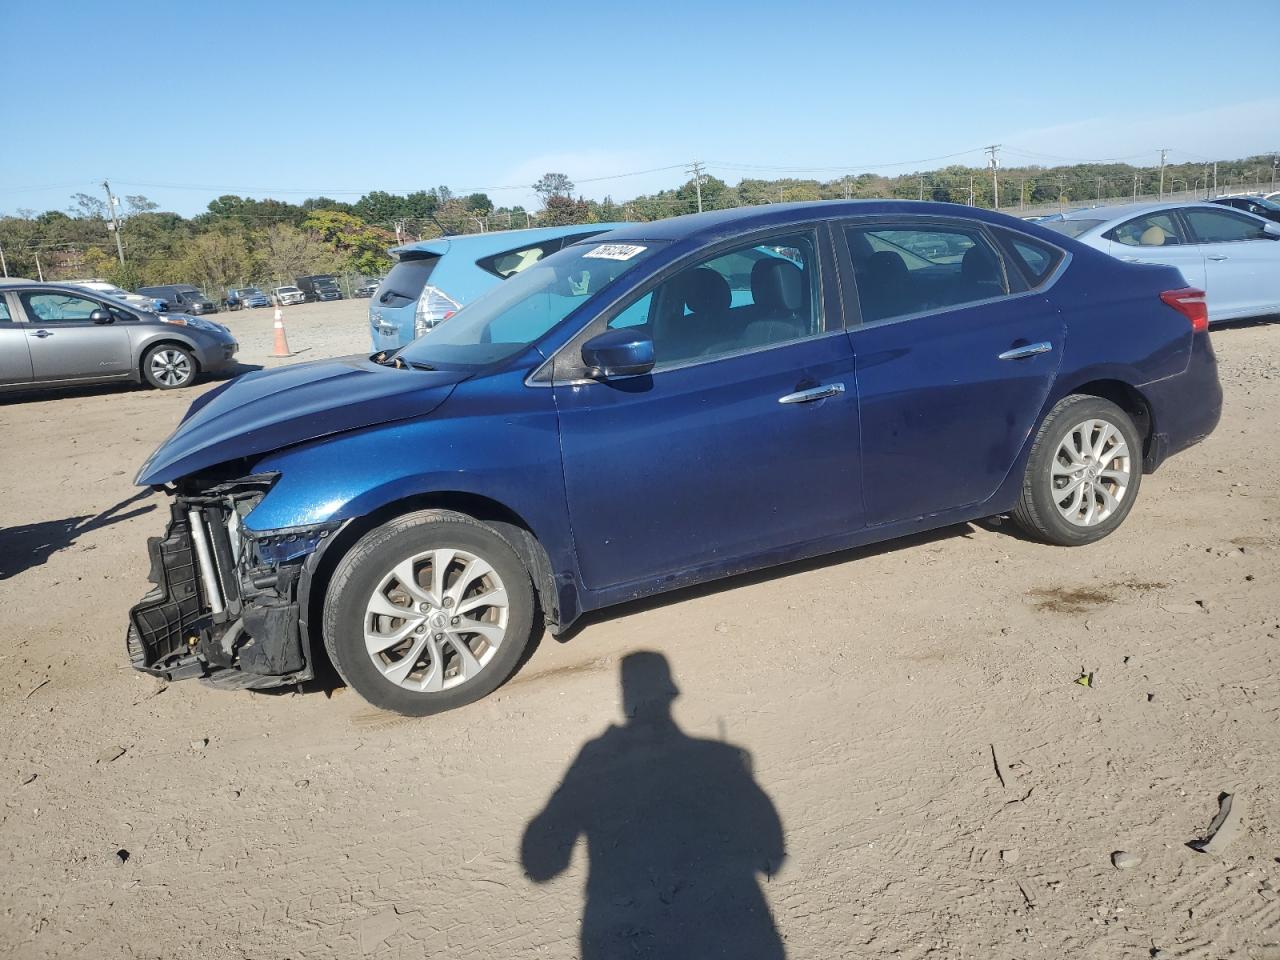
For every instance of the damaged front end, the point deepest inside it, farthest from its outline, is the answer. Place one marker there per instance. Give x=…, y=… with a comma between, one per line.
x=225, y=606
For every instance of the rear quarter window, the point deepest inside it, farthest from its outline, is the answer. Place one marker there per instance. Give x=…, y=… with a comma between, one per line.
x=1036, y=259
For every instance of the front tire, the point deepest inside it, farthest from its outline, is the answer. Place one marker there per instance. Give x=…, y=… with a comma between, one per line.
x=1083, y=475
x=169, y=366
x=429, y=612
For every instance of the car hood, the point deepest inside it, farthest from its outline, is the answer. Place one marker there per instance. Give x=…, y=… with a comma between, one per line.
x=270, y=409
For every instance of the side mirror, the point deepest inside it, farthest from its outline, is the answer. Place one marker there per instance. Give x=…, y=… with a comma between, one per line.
x=1271, y=230
x=102, y=316
x=627, y=352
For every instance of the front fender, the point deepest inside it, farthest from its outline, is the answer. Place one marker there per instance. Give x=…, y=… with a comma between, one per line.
x=494, y=438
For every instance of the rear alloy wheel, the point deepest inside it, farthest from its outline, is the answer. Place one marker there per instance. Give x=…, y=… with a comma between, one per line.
x=1083, y=473
x=428, y=612
x=167, y=367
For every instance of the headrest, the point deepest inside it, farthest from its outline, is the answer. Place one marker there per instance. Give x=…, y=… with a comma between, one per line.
x=704, y=291
x=777, y=284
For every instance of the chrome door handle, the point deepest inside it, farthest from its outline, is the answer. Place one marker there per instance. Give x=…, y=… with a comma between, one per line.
x=42, y=334
x=813, y=393
x=1030, y=350
x=1220, y=257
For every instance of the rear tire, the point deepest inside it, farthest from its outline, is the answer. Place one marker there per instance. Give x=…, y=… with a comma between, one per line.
x=1083, y=475
x=429, y=612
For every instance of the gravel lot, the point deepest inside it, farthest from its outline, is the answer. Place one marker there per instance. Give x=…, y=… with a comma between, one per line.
x=944, y=786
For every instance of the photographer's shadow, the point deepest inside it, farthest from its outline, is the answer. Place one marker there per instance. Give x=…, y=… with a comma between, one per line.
x=677, y=834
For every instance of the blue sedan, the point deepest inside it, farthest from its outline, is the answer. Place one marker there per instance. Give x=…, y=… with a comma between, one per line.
x=658, y=406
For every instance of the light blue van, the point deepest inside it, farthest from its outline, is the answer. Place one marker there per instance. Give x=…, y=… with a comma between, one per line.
x=432, y=279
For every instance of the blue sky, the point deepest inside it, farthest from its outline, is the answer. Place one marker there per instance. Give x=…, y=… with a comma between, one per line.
x=186, y=101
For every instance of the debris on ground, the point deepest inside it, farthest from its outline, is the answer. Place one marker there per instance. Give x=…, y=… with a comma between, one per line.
x=1012, y=855
x=1085, y=679
x=120, y=857
x=1225, y=827
x=109, y=754
x=199, y=743
x=1123, y=860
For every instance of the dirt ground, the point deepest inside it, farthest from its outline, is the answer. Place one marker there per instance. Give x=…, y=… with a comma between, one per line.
x=918, y=744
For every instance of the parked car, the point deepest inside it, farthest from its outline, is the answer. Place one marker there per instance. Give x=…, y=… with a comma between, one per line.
x=319, y=287
x=458, y=269
x=284, y=296
x=250, y=296
x=1258, y=206
x=181, y=298
x=661, y=405
x=368, y=288
x=135, y=300
x=1233, y=256
x=54, y=334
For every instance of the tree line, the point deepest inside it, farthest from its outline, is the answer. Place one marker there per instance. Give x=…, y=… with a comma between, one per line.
x=238, y=240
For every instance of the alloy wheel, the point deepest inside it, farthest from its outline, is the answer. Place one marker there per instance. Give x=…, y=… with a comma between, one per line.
x=436, y=619
x=171, y=367
x=1091, y=473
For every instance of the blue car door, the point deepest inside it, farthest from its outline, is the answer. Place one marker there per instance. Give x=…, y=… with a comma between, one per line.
x=955, y=357
x=743, y=439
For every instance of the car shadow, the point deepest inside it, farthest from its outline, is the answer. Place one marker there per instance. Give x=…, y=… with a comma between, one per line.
x=678, y=835
x=119, y=386
x=32, y=544
x=1245, y=324
x=765, y=574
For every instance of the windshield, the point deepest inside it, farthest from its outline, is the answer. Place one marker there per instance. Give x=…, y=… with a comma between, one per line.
x=287, y=290
x=511, y=316
x=249, y=292
x=1265, y=203
x=1071, y=228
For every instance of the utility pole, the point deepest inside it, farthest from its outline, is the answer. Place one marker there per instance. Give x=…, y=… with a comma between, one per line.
x=39, y=269
x=1098, y=181
x=921, y=179
x=1022, y=192
x=971, y=189
x=995, y=183
x=2, y=261
x=1215, y=178
x=1275, y=161
x=695, y=168
x=846, y=186
x=112, y=203
x=1062, y=194
x=1163, y=151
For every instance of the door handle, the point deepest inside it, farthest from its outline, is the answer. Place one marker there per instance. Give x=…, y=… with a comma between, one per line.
x=1220, y=257
x=42, y=334
x=813, y=393
x=1030, y=350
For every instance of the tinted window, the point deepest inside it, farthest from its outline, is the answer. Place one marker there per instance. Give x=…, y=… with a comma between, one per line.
x=405, y=281
x=1153, y=230
x=1037, y=260
x=909, y=269
x=57, y=307
x=4, y=310
x=748, y=298
x=1222, y=226
x=510, y=262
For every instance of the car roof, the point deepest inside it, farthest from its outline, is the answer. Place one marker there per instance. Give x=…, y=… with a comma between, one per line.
x=480, y=244
x=1122, y=211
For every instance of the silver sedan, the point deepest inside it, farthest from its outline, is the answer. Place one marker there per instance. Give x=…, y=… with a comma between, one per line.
x=53, y=334
x=1231, y=255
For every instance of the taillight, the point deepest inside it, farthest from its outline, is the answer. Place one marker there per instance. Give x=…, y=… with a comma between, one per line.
x=434, y=305
x=1189, y=302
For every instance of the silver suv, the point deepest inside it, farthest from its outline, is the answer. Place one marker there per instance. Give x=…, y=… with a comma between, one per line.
x=53, y=334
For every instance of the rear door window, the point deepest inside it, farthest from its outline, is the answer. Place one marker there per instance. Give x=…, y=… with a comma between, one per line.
x=1153, y=230
x=404, y=283
x=1222, y=226
x=907, y=269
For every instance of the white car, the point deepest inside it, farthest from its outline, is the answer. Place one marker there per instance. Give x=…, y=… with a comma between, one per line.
x=1233, y=256
x=111, y=290
x=287, y=295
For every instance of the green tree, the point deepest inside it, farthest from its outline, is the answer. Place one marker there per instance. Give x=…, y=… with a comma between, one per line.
x=553, y=185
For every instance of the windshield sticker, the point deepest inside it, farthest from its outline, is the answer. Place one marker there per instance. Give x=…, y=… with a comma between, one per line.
x=613, y=251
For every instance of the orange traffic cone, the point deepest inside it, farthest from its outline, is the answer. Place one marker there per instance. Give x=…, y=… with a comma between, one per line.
x=282, y=341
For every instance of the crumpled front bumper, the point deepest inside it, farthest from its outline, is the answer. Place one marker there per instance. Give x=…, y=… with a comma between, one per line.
x=217, y=610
